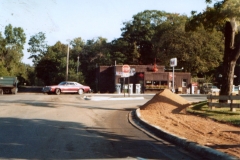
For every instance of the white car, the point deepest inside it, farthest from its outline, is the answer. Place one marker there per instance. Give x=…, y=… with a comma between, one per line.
x=215, y=89
x=235, y=90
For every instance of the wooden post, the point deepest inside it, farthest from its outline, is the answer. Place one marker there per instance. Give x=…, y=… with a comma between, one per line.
x=231, y=104
x=211, y=100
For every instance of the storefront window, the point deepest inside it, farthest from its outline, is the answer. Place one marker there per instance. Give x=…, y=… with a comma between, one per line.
x=164, y=83
x=148, y=82
x=155, y=83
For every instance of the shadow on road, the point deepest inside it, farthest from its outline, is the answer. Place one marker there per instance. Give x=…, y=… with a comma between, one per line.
x=45, y=139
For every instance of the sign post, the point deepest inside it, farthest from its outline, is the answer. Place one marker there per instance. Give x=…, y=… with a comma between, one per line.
x=125, y=70
x=125, y=73
x=173, y=63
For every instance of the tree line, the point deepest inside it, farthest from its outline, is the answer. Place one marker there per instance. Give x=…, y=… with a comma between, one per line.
x=197, y=41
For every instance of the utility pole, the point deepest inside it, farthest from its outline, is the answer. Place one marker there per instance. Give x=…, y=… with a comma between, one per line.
x=77, y=67
x=67, y=62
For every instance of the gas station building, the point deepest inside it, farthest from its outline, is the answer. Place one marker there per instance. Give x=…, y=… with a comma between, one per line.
x=142, y=78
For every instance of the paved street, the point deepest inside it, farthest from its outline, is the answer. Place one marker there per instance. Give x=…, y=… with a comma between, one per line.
x=37, y=126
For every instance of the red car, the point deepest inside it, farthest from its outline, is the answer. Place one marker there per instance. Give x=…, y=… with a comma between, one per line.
x=67, y=87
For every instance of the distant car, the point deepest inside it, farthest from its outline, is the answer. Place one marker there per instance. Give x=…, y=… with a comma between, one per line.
x=67, y=87
x=208, y=89
x=214, y=89
x=235, y=90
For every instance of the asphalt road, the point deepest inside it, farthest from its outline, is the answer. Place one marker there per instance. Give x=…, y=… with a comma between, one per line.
x=37, y=126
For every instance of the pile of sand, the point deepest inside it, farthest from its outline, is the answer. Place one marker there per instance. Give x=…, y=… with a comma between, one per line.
x=166, y=101
x=165, y=110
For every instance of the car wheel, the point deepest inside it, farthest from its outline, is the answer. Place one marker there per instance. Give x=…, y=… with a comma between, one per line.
x=80, y=91
x=58, y=91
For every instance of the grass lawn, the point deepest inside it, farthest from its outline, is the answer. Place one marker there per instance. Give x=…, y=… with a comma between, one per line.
x=219, y=114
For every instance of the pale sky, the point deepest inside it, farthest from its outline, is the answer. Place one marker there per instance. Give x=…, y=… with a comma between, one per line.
x=61, y=20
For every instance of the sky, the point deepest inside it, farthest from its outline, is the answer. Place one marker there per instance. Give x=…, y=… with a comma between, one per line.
x=64, y=20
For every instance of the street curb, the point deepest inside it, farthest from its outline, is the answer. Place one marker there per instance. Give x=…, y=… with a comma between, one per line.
x=203, y=151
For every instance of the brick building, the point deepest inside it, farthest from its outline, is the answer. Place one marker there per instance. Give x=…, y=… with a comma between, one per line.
x=151, y=78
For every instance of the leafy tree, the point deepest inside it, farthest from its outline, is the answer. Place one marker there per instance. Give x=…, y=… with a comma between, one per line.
x=22, y=74
x=95, y=53
x=119, y=51
x=139, y=33
x=77, y=48
x=51, y=68
x=3, y=69
x=223, y=13
x=77, y=45
x=31, y=76
x=15, y=38
x=11, y=47
x=169, y=38
x=197, y=52
x=38, y=47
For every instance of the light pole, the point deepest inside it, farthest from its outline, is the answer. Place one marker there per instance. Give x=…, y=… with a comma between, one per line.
x=77, y=66
x=67, y=60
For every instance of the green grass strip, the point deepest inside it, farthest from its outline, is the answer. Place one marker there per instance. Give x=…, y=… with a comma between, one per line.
x=219, y=114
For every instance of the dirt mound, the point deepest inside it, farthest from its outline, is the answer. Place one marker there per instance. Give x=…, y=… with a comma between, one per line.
x=165, y=110
x=166, y=101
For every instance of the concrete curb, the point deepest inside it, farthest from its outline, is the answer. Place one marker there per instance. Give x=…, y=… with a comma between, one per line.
x=111, y=98
x=203, y=151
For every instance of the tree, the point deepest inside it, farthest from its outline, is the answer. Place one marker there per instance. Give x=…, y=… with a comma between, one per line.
x=38, y=47
x=119, y=51
x=76, y=54
x=139, y=33
x=15, y=37
x=223, y=13
x=95, y=53
x=199, y=52
x=51, y=68
x=3, y=69
x=11, y=47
